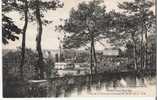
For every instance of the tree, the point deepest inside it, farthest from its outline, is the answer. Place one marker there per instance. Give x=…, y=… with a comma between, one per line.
x=13, y=58
x=151, y=51
x=37, y=7
x=38, y=39
x=24, y=35
x=140, y=9
x=22, y=7
x=9, y=30
x=87, y=24
x=40, y=6
x=127, y=36
x=136, y=24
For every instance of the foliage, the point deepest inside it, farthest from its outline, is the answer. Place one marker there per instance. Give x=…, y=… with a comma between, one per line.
x=11, y=65
x=38, y=5
x=35, y=9
x=9, y=30
x=88, y=17
x=133, y=28
x=49, y=64
x=18, y=5
x=130, y=25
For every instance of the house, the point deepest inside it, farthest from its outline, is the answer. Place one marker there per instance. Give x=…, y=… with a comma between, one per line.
x=63, y=65
x=74, y=69
x=110, y=52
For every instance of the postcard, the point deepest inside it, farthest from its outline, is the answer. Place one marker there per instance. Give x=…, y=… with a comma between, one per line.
x=78, y=48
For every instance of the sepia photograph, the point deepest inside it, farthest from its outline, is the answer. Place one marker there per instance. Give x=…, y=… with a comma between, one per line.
x=78, y=48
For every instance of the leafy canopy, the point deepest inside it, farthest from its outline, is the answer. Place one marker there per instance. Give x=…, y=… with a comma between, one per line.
x=9, y=30
x=89, y=18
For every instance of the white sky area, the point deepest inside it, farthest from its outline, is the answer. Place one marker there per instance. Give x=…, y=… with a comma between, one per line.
x=50, y=37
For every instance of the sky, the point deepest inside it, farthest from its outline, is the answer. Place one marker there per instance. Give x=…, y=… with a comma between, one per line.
x=50, y=36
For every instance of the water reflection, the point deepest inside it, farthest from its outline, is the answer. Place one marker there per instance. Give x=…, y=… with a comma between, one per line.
x=74, y=86
x=78, y=85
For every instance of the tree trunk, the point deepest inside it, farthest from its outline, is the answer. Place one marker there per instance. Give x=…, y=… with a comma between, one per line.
x=141, y=52
x=38, y=40
x=91, y=58
x=156, y=31
x=146, y=49
x=135, y=58
x=94, y=55
x=24, y=38
x=144, y=31
x=134, y=52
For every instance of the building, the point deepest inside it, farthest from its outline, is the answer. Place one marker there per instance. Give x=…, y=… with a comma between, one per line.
x=75, y=69
x=110, y=52
x=63, y=65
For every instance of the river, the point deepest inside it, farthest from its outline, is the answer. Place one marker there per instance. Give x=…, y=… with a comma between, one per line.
x=125, y=84
x=104, y=84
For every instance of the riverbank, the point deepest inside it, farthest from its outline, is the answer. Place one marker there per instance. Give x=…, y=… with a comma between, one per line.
x=137, y=91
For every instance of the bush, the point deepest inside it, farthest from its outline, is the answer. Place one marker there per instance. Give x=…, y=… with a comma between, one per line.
x=11, y=65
